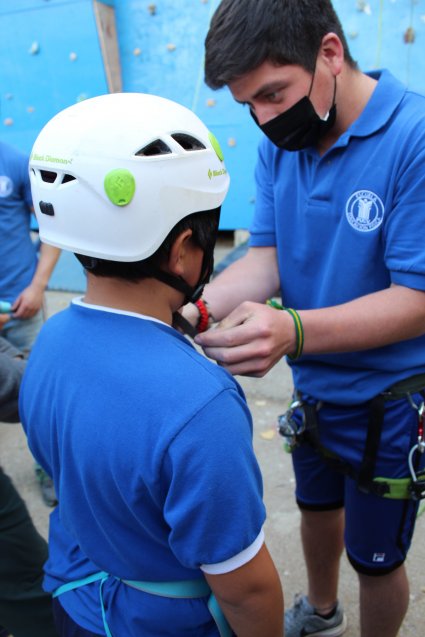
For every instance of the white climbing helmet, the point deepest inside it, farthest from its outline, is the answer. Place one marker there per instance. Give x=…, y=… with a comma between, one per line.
x=112, y=175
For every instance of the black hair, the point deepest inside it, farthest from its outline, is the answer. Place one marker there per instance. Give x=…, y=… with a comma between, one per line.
x=245, y=33
x=204, y=226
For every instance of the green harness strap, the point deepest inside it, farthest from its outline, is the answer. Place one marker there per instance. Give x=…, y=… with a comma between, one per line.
x=184, y=589
x=399, y=488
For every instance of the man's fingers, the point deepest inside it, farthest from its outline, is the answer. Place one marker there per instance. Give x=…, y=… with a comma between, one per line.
x=234, y=330
x=227, y=337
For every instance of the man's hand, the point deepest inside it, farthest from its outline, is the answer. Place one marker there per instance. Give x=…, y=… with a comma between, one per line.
x=250, y=340
x=29, y=302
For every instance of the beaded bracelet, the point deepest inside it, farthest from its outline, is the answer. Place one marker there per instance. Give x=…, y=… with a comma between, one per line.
x=299, y=331
x=204, y=316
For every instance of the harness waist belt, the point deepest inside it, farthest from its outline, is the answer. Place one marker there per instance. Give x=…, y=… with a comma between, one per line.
x=183, y=589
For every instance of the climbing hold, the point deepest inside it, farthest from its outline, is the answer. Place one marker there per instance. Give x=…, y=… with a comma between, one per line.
x=8, y=121
x=137, y=51
x=30, y=109
x=34, y=48
x=409, y=35
x=171, y=46
x=152, y=8
x=73, y=56
x=231, y=142
x=364, y=7
x=211, y=102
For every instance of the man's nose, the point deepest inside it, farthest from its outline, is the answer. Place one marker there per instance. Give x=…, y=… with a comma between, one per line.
x=264, y=114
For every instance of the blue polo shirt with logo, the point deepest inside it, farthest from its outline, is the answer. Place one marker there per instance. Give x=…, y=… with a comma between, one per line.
x=347, y=224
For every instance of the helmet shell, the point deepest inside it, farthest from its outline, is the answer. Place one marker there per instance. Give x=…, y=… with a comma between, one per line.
x=112, y=175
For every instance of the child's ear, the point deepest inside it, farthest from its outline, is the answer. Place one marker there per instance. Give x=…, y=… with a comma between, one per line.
x=178, y=253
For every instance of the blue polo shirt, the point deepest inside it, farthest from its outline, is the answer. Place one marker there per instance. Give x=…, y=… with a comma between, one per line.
x=18, y=256
x=347, y=224
x=150, y=448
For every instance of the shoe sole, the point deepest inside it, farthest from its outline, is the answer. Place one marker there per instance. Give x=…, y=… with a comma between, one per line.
x=336, y=631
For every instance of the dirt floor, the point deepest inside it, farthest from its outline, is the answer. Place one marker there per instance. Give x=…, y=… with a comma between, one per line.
x=267, y=398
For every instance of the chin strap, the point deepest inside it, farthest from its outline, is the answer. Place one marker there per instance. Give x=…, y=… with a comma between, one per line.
x=182, y=324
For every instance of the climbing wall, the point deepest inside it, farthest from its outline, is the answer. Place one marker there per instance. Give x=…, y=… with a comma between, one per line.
x=56, y=52
x=387, y=33
x=161, y=50
x=161, y=47
x=51, y=58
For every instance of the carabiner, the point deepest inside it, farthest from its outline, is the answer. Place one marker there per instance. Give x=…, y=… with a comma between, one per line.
x=288, y=427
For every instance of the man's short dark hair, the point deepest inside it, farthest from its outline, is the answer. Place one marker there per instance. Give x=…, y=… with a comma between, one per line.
x=204, y=227
x=245, y=33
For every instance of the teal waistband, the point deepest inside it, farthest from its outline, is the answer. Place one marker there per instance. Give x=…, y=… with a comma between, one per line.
x=183, y=589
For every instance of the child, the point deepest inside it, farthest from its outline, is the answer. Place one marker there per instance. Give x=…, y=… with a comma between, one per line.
x=149, y=443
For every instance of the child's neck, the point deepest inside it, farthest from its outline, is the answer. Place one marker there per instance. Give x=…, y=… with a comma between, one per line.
x=149, y=297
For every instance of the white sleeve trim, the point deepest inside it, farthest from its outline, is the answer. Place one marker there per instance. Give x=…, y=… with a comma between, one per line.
x=237, y=560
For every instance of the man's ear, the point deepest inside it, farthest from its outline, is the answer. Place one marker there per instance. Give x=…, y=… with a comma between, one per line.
x=178, y=253
x=332, y=52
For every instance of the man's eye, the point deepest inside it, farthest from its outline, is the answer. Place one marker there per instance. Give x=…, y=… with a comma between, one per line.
x=273, y=97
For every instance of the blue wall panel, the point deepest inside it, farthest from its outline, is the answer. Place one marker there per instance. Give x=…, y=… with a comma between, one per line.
x=387, y=33
x=162, y=52
x=50, y=59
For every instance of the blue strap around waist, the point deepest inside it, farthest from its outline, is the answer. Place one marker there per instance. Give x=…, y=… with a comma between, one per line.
x=184, y=589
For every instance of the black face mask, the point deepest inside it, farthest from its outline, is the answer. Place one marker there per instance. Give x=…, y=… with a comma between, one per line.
x=300, y=126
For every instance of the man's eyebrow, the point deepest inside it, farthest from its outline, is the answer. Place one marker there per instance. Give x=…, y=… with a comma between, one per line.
x=271, y=87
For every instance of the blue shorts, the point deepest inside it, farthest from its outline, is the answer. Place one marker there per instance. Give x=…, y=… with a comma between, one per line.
x=378, y=530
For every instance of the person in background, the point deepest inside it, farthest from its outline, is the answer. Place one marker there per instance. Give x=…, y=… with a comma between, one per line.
x=25, y=609
x=26, y=266
x=337, y=235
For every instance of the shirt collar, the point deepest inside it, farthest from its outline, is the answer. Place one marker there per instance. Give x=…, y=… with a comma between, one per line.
x=383, y=102
x=112, y=310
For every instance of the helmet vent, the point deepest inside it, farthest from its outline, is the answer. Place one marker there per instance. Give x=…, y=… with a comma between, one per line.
x=48, y=176
x=67, y=178
x=158, y=147
x=188, y=142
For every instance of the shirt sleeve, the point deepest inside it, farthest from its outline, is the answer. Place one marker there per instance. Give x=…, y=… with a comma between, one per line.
x=237, y=561
x=404, y=252
x=214, y=501
x=262, y=230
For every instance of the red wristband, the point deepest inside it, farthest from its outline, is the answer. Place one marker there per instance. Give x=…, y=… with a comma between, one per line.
x=204, y=316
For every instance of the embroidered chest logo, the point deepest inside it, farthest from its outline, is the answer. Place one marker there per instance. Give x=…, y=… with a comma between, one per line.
x=364, y=211
x=6, y=186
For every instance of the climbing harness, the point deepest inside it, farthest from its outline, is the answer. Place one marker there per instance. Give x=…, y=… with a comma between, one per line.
x=411, y=487
x=184, y=589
